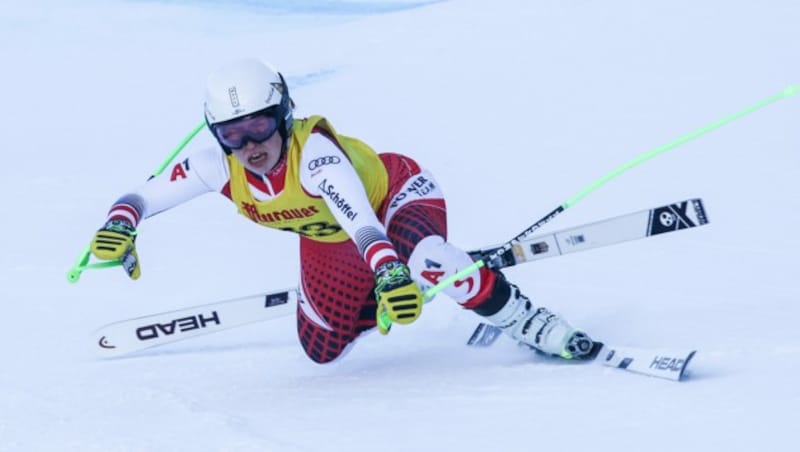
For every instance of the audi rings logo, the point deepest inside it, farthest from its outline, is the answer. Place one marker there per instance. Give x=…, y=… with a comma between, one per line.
x=322, y=161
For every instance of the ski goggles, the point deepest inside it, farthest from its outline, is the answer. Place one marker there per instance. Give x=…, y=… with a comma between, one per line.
x=257, y=128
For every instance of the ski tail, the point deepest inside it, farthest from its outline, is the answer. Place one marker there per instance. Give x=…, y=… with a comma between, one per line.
x=637, y=225
x=484, y=335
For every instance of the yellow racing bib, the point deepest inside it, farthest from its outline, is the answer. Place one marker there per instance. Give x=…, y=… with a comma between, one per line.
x=293, y=209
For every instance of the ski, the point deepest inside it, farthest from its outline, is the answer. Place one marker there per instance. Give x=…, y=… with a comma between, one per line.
x=645, y=223
x=667, y=364
x=134, y=335
x=141, y=333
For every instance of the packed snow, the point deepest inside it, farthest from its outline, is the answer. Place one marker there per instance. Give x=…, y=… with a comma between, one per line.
x=515, y=106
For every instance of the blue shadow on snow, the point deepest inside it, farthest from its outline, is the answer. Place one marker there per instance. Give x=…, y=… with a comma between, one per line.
x=305, y=7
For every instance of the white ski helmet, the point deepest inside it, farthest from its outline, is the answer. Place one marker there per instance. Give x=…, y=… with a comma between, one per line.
x=244, y=87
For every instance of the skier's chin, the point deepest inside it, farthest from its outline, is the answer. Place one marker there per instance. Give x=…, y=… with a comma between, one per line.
x=262, y=166
x=259, y=161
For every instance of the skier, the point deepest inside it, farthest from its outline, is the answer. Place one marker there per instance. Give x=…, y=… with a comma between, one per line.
x=373, y=228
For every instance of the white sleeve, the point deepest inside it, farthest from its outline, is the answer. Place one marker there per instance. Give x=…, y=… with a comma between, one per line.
x=203, y=171
x=326, y=171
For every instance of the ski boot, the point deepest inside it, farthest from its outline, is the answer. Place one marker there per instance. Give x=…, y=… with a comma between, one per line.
x=537, y=328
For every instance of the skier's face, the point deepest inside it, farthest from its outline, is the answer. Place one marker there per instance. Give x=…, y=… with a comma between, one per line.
x=260, y=158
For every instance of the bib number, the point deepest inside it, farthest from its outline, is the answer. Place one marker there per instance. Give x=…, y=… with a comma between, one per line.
x=318, y=229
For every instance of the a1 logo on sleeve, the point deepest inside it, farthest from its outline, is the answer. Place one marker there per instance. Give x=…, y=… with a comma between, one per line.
x=179, y=171
x=434, y=273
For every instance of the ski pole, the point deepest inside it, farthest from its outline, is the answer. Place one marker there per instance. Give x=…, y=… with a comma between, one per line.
x=74, y=273
x=792, y=90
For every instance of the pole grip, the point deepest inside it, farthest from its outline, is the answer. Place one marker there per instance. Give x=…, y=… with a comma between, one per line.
x=74, y=273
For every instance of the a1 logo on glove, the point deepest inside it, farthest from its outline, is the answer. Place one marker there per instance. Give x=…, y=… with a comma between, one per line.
x=116, y=242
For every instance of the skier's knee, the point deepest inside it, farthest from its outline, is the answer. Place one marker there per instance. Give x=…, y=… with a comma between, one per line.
x=434, y=260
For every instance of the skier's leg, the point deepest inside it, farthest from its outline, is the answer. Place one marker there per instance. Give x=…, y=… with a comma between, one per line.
x=336, y=300
x=417, y=226
x=490, y=295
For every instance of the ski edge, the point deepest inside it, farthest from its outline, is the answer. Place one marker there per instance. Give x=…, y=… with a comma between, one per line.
x=126, y=337
x=673, y=217
x=658, y=363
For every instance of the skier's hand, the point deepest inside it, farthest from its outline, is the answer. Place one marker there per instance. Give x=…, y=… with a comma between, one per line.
x=397, y=294
x=115, y=241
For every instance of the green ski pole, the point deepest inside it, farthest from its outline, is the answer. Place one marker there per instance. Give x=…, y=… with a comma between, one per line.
x=792, y=90
x=74, y=273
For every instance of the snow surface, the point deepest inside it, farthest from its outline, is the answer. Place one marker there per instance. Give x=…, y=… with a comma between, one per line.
x=515, y=106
